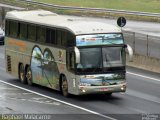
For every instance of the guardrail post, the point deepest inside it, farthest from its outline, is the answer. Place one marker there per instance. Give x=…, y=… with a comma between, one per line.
x=134, y=42
x=147, y=46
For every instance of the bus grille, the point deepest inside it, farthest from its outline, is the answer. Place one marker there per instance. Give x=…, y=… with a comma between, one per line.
x=9, y=63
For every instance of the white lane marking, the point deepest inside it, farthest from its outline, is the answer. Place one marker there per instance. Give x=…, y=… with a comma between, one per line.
x=144, y=76
x=90, y=111
x=143, y=96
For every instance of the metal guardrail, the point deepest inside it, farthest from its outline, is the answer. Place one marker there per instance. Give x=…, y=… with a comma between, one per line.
x=93, y=9
x=142, y=44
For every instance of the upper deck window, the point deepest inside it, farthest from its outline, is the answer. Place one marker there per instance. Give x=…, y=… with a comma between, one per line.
x=7, y=28
x=31, y=32
x=13, y=31
x=23, y=31
x=41, y=34
x=99, y=39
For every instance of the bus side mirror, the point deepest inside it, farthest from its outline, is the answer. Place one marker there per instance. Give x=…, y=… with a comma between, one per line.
x=130, y=52
x=77, y=53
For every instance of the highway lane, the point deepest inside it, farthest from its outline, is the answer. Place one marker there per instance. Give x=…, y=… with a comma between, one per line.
x=142, y=96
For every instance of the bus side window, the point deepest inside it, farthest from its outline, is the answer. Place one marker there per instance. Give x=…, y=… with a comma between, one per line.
x=51, y=36
x=64, y=38
x=61, y=38
x=13, y=31
x=41, y=34
x=23, y=31
x=70, y=39
x=7, y=28
x=31, y=32
x=58, y=35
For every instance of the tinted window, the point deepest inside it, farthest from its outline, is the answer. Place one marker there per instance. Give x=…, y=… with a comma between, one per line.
x=51, y=36
x=23, y=31
x=31, y=32
x=61, y=37
x=41, y=34
x=58, y=37
x=70, y=39
x=7, y=27
x=13, y=29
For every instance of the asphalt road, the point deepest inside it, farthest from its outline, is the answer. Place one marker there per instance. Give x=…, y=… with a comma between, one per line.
x=141, y=100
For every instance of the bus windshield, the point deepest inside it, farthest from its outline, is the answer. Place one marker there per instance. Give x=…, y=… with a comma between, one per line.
x=101, y=59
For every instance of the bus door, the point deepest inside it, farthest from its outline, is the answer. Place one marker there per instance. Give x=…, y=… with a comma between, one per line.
x=71, y=63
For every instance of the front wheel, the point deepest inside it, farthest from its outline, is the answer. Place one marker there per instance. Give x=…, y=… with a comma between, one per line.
x=29, y=75
x=64, y=87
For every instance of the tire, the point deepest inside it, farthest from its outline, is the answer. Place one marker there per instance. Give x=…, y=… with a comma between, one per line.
x=29, y=76
x=22, y=77
x=64, y=87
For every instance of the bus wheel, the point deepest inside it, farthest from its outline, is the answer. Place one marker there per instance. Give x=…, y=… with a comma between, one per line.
x=64, y=87
x=29, y=75
x=22, y=74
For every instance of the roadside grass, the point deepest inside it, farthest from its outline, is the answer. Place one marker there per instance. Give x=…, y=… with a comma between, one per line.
x=132, y=5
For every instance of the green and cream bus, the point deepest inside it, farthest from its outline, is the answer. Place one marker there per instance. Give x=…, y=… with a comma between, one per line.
x=74, y=56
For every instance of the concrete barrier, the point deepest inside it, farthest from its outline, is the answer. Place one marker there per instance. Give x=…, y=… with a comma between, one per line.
x=146, y=51
x=154, y=47
x=141, y=44
x=146, y=63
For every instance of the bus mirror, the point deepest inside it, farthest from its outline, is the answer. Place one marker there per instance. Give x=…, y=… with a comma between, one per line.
x=130, y=52
x=77, y=53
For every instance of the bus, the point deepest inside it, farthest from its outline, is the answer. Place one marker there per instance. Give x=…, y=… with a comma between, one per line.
x=74, y=56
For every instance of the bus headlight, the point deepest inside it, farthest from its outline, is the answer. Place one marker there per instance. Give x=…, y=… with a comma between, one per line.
x=82, y=89
x=123, y=87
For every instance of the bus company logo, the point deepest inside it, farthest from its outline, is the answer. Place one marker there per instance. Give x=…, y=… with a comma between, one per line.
x=91, y=39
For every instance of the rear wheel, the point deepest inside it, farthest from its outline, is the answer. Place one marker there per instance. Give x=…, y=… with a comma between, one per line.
x=22, y=77
x=29, y=75
x=64, y=87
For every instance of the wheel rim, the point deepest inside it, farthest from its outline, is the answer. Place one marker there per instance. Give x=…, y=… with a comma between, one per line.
x=29, y=76
x=65, y=87
x=21, y=73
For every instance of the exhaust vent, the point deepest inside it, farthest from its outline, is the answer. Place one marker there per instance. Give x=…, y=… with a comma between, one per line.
x=9, y=64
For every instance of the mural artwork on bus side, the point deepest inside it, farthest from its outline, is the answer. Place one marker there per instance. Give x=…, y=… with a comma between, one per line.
x=44, y=68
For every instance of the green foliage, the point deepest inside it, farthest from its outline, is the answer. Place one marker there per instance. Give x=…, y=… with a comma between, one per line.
x=133, y=5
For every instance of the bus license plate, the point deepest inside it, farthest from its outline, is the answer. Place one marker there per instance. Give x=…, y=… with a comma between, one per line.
x=103, y=89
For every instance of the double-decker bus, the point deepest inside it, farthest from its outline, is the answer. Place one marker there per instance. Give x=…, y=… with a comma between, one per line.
x=74, y=56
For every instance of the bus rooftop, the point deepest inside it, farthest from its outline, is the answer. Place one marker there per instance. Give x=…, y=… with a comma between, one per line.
x=76, y=26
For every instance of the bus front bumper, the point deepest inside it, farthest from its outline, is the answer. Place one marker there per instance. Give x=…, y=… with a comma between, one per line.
x=102, y=89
